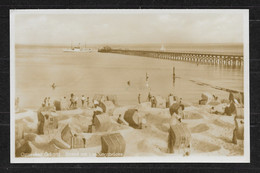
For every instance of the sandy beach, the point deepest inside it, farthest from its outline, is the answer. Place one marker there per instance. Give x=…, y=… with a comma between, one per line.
x=211, y=134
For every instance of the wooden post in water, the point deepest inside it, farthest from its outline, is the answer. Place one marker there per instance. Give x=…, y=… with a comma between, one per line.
x=173, y=75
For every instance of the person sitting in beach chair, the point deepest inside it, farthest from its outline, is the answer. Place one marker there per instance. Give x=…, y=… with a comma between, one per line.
x=228, y=110
x=98, y=110
x=176, y=109
x=121, y=120
x=215, y=97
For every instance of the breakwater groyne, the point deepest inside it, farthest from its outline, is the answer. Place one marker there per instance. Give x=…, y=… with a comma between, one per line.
x=199, y=58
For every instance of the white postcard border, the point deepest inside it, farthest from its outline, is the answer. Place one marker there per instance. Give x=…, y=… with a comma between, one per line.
x=154, y=159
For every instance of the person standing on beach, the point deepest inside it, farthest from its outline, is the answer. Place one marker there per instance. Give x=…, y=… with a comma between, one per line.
x=76, y=102
x=146, y=80
x=49, y=101
x=87, y=101
x=149, y=97
x=83, y=100
x=139, y=98
x=153, y=102
x=71, y=100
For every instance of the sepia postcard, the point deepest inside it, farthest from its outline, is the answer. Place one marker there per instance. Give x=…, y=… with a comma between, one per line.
x=129, y=86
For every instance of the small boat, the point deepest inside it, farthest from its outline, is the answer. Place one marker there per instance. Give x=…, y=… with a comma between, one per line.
x=73, y=49
x=78, y=49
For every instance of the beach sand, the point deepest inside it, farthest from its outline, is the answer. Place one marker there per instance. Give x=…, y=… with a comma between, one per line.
x=211, y=134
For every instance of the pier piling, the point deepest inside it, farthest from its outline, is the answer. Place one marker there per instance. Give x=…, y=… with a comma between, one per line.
x=173, y=75
x=198, y=58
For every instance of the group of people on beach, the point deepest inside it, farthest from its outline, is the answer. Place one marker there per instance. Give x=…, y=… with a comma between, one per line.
x=74, y=101
x=230, y=108
x=46, y=102
x=175, y=108
x=150, y=98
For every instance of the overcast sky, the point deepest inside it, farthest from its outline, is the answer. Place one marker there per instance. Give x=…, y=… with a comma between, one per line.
x=62, y=29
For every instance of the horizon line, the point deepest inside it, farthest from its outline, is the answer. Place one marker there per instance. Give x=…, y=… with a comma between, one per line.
x=58, y=44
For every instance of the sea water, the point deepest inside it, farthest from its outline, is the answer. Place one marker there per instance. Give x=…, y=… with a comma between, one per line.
x=90, y=73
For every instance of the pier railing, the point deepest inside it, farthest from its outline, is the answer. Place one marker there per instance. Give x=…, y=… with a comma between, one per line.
x=199, y=58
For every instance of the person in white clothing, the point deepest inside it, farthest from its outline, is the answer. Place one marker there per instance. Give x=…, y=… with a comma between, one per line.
x=83, y=100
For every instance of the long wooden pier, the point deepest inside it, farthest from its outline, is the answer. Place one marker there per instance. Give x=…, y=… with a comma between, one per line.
x=199, y=58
